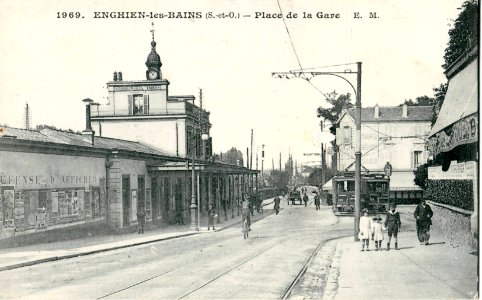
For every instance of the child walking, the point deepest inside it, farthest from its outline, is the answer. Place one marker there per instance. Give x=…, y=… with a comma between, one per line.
x=392, y=223
x=377, y=233
x=365, y=229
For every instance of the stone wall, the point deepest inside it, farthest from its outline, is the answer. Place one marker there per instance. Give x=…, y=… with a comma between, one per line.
x=453, y=226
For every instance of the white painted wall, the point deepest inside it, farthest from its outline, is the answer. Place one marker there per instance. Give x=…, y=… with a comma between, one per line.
x=375, y=152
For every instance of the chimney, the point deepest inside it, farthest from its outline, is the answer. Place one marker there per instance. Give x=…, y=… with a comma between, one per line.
x=115, y=76
x=119, y=75
x=377, y=111
x=404, y=111
x=88, y=133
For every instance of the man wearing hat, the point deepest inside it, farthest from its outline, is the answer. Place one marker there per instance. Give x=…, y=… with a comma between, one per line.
x=423, y=214
x=392, y=223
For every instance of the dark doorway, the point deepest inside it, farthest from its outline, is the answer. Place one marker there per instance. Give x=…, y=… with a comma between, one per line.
x=126, y=199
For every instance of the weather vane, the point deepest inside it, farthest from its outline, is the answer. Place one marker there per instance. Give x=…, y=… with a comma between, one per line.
x=152, y=30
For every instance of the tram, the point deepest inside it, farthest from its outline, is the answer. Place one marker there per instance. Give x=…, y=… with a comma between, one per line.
x=375, y=191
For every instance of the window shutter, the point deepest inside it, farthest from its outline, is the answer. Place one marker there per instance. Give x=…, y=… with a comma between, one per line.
x=350, y=136
x=129, y=104
x=146, y=104
x=412, y=162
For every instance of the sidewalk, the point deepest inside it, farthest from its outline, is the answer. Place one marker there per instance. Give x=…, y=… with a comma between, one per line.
x=435, y=271
x=17, y=257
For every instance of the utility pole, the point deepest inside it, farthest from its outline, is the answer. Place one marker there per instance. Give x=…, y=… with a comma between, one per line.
x=358, y=151
x=251, y=157
x=280, y=161
x=262, y=164
x=247, y=157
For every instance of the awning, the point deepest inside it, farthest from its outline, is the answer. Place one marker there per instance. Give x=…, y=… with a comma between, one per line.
x=457, y=122
x=403, y=181
x=327, y=186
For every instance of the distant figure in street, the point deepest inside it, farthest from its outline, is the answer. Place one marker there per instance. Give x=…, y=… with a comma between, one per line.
x=365, y=229
x=423, y=213
x=276, y=201
x=211, y=216
x=141, y=219
x=305, y=199
x=377, y=233
x=392, y=223
x=246, y=211
x=317, y=202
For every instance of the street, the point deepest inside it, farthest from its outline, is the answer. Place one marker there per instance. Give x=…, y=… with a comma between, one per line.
x=219, y=265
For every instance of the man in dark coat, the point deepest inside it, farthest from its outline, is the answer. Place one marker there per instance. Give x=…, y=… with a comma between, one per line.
x=305, y=199
x=141, y=219
x=317, y=202
x=423, y=214
x=393, y=224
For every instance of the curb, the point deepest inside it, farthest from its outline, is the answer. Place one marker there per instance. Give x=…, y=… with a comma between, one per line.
x=67, y=256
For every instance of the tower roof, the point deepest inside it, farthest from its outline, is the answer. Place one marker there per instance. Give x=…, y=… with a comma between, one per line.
x=153, y=59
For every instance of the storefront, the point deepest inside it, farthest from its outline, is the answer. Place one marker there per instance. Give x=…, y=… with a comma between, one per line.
x=454, y=141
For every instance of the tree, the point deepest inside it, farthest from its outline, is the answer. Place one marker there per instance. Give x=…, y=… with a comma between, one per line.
x=232, y=156
x=420, y=101
x=332, y=114
x=439, y=94
x=279, y=179
x=338, y=104
x=464, y=34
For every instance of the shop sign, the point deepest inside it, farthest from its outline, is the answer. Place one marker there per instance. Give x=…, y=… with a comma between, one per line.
x=457, y=171
x=464, y=131
x=40, y=180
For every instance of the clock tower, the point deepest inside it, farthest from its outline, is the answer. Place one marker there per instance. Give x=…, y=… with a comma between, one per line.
x=153, y=62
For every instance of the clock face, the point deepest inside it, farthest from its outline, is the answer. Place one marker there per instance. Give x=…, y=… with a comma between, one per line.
x=152, y=74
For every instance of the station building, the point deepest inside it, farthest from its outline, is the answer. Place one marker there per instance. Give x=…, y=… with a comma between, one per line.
x=136, y=151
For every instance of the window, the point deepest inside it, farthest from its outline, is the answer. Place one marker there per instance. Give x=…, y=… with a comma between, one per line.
x=417, y=159
x=138, y=104
x=347, y=135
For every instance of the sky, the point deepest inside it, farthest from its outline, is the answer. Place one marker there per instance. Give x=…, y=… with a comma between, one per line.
x=52, y=63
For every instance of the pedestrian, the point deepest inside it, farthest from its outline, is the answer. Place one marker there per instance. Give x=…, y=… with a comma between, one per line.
x=423, y=214
x=365, y=227
x=277, y=201
x=317, y=202
x=305, y=199
x=141, y=219
x=393, y=224
x=377, y=233
x=246, y=212
x=211, y=216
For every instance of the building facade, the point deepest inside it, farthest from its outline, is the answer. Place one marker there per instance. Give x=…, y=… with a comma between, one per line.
x=397, y=135
x=143, y=111
x=143, y=149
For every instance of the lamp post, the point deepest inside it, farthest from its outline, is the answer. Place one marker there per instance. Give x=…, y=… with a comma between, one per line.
x=194, y=205
x=358, y=127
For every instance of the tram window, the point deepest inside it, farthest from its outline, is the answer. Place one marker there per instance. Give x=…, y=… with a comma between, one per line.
x=351, y=186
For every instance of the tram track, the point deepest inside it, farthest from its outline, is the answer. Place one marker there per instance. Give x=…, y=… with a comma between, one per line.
x=300, y=274
x=185, y=266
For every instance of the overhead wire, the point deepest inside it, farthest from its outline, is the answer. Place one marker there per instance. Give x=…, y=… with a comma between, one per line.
x=294, y=50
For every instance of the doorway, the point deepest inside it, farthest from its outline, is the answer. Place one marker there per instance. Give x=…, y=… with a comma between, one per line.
x=126, y=199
